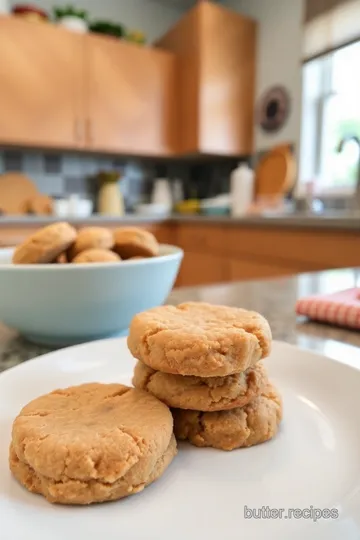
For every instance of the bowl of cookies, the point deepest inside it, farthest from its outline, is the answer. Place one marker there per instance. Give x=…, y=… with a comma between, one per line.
x=62, y=286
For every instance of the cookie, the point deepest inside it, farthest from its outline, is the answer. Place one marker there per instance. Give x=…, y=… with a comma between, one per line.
x=91, y=238
x=199, y=339
x=61, y=259
x=253, y=424
x=91, y=443
x=202, y=393
x=70, y=491
x=134, y=242
x=45, y=245
x=96, y=256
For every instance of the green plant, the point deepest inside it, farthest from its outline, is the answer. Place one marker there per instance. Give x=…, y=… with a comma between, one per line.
x=69, y=11
x=108, y=28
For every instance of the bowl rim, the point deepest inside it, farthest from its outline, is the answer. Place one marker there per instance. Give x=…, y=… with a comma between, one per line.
x=175, y=252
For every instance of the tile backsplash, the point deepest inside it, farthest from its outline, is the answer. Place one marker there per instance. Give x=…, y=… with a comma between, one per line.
x=60, y=174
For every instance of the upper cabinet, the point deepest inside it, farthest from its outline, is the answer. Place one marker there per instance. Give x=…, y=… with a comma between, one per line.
x=216, y=49
x=130, y=98
x=59, y=89
x=191, y=94
x=40, y=85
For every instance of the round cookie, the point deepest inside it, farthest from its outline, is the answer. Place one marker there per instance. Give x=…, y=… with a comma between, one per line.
x=45, y=245
x=199, y=339
x=253, y=424
x=202, y=393
x=91, y=443
x=91, y=238
x=134, y=242
x=80, y=492
x=96, y=256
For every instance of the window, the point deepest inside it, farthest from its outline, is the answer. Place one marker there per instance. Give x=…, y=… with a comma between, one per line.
x=331, y=111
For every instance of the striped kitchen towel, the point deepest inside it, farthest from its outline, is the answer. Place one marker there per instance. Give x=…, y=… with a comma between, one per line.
x=340, y=308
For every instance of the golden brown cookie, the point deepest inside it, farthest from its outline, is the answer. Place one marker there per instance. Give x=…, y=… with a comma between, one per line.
x=61, y=259
x=134, y=242
x=91, y=238
x=45, y=245
x=96, y=256
x=199, y=339
x=70, y=491
x=253, y=424
x=91, y=443
x=202, y=393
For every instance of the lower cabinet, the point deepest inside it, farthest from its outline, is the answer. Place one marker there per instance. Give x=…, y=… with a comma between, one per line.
x=202, y=268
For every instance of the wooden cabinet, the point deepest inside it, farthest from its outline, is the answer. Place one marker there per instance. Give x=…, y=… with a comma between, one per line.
x=242, y=269
x=59, y=89
x=216, y=50
x=40, y=85
x=201, y=268
x=131, y=98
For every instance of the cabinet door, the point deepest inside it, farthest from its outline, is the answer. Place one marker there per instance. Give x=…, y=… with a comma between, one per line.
x=131, y=98
x=251, y=269
x=201, y=268
x=40, y=84
x=227, y=83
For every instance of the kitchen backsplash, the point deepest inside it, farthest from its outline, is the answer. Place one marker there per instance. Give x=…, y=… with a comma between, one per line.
x=60, y=174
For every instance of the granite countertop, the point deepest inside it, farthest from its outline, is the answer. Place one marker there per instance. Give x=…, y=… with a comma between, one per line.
x=337, y=221
x=274, y=298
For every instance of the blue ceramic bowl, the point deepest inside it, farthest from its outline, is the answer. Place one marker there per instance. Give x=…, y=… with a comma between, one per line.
x=67, y=304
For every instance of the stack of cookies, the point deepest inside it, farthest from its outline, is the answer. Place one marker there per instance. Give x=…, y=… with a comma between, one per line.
x=205, y=362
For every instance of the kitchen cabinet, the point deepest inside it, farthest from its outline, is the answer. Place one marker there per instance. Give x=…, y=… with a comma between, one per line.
x=202, y=268
x=40, y=85
x=59, y=89
x=130, y=93
x=217, y=54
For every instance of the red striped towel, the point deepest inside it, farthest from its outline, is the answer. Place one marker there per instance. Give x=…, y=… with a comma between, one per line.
x=341, y=308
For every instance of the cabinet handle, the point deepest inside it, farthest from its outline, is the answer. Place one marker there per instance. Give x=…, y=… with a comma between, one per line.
x=78, y=131
x=88, y=129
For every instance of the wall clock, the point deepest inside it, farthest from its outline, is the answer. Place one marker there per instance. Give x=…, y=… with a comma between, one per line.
x=273, y=109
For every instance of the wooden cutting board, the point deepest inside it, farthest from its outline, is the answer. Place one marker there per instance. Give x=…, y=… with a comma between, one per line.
x=275, y=173
x=15, y=191
x=40, y=205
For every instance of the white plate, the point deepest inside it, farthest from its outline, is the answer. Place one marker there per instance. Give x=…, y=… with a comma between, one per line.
x=313, y=462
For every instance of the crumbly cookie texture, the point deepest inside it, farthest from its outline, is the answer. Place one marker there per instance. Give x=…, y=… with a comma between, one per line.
x=202, y=393
x=253, y=424
x=134, y=242
x=45, y=245
x=69, y=491
x=91, y=238
x=199, y=339
x=96, y=256
x=103, y=433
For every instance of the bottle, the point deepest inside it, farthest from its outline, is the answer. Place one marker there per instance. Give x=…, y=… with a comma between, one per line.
x=241, y=189
x=162, y=193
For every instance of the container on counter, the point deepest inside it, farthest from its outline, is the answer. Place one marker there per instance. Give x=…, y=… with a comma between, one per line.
x=162, y=193
x=110, y=199
x=241, y=190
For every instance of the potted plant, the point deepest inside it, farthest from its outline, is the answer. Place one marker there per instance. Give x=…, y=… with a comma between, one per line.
x=72, y=18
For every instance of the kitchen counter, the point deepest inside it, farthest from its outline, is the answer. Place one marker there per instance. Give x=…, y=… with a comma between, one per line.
x=274, y=298
x=340, y=221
